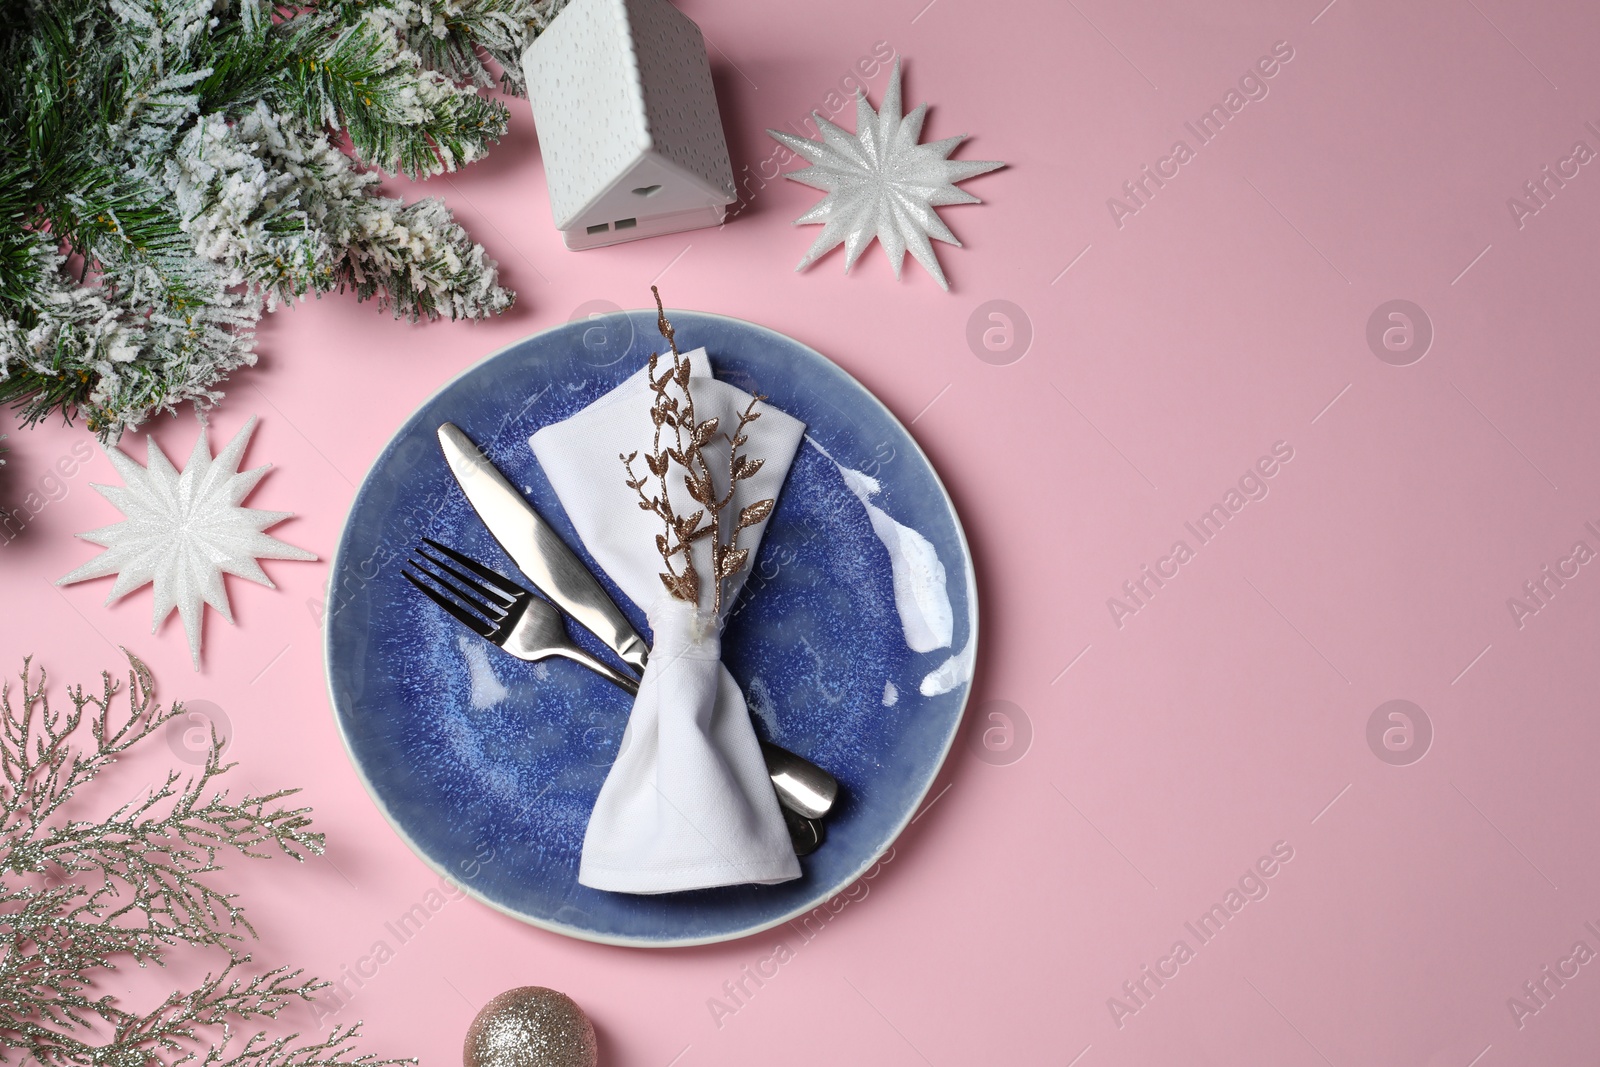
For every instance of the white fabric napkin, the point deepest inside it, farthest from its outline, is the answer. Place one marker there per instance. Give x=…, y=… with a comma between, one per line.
x=687, y=804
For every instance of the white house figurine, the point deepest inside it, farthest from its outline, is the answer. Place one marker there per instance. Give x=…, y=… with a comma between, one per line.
x=628, y=122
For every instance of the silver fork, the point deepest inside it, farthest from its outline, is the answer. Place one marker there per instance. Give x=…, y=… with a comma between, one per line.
x=500, y=611
x=531, y=628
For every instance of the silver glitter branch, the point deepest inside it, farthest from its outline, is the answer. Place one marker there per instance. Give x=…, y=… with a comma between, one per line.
x=79, y=896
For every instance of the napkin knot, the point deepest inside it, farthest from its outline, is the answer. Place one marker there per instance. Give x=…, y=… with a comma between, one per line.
x=683, y=630
x=687, y=804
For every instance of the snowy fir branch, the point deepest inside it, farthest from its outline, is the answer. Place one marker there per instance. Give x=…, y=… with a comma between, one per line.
x=171, y=169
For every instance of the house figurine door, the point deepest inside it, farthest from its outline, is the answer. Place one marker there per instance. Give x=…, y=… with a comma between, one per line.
x=628, y=122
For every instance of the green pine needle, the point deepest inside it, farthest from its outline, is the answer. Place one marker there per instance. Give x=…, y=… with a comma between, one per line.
x=171, y=169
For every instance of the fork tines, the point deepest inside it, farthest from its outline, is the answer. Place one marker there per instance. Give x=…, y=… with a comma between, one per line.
x=477, y=596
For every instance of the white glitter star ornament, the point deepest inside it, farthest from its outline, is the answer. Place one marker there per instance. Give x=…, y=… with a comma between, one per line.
x=881, y=183
x=183, y=532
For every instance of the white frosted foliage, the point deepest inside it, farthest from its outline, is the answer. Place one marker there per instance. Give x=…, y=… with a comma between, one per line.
x=182, y=531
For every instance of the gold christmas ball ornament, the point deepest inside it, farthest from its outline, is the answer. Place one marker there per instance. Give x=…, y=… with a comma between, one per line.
x=530, y=1027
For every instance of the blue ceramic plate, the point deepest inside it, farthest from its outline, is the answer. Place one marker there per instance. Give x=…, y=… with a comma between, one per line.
x=488, y=766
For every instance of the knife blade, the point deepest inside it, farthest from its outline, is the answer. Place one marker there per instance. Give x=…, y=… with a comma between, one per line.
x=536, y=548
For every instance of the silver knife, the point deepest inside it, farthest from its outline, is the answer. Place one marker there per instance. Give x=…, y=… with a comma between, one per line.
x=538, y=549
x=556, y=571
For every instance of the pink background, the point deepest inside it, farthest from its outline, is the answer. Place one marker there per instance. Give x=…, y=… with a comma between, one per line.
x=1167, y=754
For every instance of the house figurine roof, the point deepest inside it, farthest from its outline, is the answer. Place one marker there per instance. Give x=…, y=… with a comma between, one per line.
x=628, y=123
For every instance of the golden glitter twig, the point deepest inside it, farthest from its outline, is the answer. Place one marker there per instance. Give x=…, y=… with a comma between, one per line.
x=673, y=408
